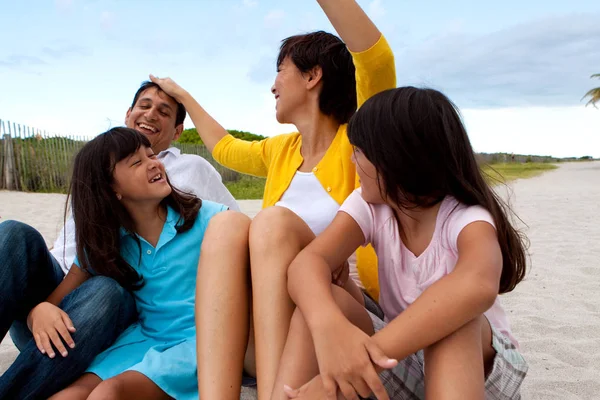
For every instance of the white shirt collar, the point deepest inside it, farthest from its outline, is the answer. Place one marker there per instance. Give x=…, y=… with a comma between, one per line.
x=173, y=150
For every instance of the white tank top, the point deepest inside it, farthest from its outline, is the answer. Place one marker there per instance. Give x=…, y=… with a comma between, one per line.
x=310, y=201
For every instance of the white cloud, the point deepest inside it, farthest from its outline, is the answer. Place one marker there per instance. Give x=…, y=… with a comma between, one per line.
x=107, y=20
x=545, y=62
x=376, y=9
x=274, y=18
x=553, y=131
x=63, y=5
x=250, y=3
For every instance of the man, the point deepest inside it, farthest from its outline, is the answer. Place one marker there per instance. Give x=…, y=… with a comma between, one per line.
x=100, y=309
x=160, y=118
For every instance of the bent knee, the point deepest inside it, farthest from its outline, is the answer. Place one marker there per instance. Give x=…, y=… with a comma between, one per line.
x=275, y=216
x=112, y=388
x=105, y=289
x=11, y=230
x=230, y=225
x=100, y=298
x=275, y=224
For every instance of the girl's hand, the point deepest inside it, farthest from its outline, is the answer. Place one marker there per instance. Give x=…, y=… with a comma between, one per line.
x=48, y=323
x=169, y=86
x=314, y=389
x=346, y=357
x=341, y=275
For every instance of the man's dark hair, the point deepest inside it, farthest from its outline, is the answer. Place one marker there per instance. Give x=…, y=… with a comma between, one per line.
x=180, y=117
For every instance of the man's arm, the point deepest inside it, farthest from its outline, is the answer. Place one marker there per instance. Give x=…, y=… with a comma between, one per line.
x=220, y=194
x=64, y=249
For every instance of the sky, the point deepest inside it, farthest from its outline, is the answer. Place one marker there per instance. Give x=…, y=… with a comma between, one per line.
x=516, y=69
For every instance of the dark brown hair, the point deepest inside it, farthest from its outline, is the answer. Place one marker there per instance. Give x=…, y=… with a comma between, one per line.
x=180, y=116
x=327, y=51
x=417, y=142
x=99, y=215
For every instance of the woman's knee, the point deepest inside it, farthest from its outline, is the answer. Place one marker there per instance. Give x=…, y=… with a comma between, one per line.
x=228, y=226
x=226, y=237
x=278, y=225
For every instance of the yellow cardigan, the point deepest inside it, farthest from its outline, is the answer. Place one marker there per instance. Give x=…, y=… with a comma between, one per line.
x=278, y=157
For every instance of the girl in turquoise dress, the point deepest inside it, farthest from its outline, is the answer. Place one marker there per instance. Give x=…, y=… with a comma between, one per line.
x=134, y=227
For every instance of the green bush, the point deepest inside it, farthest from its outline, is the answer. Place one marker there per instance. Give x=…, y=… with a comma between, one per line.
x=191, y=136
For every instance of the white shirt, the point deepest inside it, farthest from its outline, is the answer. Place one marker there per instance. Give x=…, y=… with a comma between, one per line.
x=187, y=172
x=310, y=201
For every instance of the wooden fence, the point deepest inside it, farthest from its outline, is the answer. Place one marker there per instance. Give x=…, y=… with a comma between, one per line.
x=34, y=160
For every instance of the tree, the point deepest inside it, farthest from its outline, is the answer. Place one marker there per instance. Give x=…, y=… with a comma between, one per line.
x=593, y=94
x=191, y=136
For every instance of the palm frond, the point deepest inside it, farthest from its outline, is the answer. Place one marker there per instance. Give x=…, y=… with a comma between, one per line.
x=593, y=94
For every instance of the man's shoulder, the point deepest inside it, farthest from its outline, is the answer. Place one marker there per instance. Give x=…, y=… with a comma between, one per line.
x=190, y=160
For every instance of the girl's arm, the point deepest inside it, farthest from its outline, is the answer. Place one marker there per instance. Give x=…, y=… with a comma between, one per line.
x=48, y=323
x=340, y=346
x=75, y=277
x=310, y=274
x=454, y=300
x=351, y=23
x=458, y=298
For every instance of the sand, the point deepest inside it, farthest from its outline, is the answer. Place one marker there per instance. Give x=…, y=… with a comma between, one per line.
x=555, y=312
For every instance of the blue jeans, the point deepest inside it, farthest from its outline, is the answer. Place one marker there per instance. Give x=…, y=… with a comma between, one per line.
x=100, y=310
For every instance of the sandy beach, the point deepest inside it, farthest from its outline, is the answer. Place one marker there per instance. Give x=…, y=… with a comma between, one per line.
x=555, y=312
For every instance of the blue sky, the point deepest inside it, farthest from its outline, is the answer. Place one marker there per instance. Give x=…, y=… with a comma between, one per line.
x=516, y=69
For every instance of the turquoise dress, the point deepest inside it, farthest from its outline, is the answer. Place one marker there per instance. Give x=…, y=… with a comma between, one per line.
x=162, y=343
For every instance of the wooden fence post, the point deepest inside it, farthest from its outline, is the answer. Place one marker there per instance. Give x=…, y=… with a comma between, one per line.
x=9, y=163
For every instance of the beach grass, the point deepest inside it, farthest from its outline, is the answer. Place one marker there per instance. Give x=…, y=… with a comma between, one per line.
x=504, y=172
x=252, y=188
x=247, y=187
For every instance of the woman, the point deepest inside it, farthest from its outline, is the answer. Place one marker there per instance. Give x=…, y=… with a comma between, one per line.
x=320, y=82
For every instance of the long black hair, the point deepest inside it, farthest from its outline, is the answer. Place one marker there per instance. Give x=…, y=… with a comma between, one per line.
x=99, y=215
x=416, y=140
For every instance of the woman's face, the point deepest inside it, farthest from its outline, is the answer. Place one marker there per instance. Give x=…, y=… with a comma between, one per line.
x=367, y=174
x=290, y=90
x=140, y=178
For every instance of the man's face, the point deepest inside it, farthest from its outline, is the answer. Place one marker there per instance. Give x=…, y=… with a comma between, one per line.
x=154, y=115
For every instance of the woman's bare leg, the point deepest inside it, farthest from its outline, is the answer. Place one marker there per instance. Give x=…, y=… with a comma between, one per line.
x=222, y=306
x=299, y=362
x=276, y=236
x=80, y=389
x=454, y=366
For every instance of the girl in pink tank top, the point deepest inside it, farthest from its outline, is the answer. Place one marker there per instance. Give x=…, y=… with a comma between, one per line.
x=446, y=251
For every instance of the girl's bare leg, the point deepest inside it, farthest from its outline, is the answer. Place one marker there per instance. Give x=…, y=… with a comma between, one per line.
x=299, y=362
x=276, y=236
x=454, y=366
x=222, y=306
x=130, y=385
x=80, y=389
